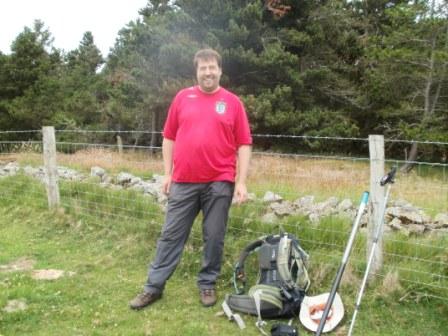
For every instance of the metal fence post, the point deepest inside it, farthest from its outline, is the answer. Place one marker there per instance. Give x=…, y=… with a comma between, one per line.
x=377, y=194
x=51, y=169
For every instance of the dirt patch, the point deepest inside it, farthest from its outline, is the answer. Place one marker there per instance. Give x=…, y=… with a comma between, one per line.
x=25, y=264
x=19, y=265
x=49, y=274
x=15, y=305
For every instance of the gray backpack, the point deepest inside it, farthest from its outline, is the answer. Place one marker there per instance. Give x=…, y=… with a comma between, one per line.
x=282, y=279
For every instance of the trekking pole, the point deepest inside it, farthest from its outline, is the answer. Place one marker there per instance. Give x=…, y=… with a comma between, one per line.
x=387, y=179
x=337, y=280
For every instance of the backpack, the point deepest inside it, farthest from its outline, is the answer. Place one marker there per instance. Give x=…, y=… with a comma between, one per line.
x=282, y=279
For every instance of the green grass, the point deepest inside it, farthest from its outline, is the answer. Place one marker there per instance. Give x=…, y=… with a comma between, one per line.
x=108, y=238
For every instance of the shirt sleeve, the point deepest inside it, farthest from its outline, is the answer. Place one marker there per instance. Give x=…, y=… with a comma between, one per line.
x=171, y=123
x=242, y=129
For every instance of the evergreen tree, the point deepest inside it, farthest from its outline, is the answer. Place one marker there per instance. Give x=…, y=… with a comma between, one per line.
x=304, y=67
x=407, y=80
x=83, y=87
x=150, y=62
x=28, y=91
x=291, y=66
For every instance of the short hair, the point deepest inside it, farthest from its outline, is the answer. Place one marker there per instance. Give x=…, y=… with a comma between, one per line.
x=207, y=54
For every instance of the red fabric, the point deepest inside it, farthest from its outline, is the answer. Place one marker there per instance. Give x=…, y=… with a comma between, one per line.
x=207, y=130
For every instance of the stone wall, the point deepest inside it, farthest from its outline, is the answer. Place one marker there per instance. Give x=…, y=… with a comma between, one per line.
x=400, y=215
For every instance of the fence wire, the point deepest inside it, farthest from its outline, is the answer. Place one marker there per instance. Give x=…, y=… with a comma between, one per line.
x=417, y=253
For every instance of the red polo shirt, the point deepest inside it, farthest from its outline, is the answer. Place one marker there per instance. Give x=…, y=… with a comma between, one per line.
x=207, y=130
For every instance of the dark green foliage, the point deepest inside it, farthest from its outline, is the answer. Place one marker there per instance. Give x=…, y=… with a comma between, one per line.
x=26, y=84
x=40, y=86
x=303, y=67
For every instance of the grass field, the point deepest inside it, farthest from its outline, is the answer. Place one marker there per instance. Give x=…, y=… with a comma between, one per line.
x=107, y=241
x=109, y=258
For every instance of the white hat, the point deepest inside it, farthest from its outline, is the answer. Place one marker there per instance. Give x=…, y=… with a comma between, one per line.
x=312, y=309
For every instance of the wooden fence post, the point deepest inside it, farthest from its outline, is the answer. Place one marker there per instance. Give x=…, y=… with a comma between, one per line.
x=51, y=169
x=119, y=145
x=377, y=194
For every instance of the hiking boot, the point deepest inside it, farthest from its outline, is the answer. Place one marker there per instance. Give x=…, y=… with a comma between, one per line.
x=144, y=299
x=208, y=297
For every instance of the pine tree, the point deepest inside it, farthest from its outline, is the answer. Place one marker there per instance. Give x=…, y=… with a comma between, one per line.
x=28, y=90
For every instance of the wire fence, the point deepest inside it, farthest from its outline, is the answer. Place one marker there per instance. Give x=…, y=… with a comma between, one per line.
x=113, y=176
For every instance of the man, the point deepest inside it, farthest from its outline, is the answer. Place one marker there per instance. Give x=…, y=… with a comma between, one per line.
x=206, y=131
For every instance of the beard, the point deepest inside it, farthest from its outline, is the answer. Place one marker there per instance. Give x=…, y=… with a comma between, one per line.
x=209, y=83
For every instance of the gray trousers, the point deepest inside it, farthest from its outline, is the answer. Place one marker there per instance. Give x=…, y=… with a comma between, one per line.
x=184, y=203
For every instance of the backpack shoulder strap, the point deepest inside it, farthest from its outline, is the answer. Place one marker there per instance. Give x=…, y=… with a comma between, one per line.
x=291, y=263
x=238, y=273
x=302, y=279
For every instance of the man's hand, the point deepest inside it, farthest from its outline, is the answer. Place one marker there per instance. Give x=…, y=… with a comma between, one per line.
x=240, y=194
x=166, y=185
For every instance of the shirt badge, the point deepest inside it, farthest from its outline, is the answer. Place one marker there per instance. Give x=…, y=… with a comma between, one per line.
x=220, y=107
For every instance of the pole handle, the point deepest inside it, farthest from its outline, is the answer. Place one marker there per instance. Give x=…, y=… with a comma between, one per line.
x=389, y=177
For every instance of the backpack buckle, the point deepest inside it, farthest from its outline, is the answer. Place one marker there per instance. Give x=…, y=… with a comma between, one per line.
x=281, y=329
